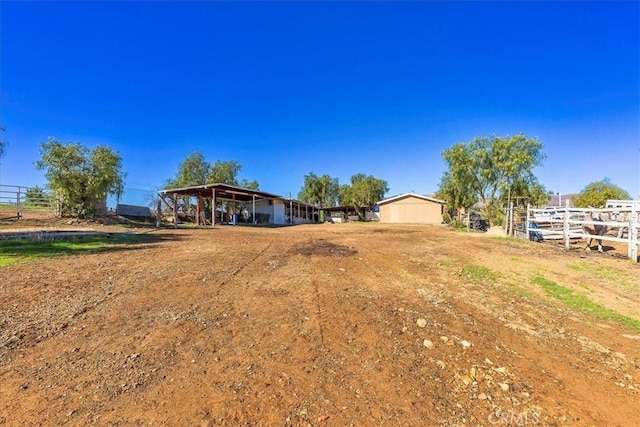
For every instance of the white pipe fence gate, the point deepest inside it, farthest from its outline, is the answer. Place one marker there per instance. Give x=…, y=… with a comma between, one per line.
x=567, y=223
x=16, y=200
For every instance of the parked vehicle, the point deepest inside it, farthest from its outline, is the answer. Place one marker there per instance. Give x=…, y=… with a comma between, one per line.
x=548, y=213
x=557, y=213
x=477, y=222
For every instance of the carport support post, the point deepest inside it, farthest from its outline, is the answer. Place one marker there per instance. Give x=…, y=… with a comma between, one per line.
x=175, y=210
x=198, y=209
x=213, y=208
x=254, y=208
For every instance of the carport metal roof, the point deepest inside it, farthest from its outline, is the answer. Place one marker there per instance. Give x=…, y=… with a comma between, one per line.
x=223, y=191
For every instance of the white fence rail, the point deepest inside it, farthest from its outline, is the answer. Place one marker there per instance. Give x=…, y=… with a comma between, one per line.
x=16, y=200
x=568, y=224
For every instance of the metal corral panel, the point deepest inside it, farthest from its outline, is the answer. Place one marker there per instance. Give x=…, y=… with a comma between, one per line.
x=411, y=210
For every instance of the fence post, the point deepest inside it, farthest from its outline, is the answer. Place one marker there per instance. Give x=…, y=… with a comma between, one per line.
x=565, y=225
x=18, y=204
x=526, y=223
x=511, y=218
x=506, y=220
x=633, y=231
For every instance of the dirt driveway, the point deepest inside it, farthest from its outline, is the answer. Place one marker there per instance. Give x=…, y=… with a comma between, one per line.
x=336, y=325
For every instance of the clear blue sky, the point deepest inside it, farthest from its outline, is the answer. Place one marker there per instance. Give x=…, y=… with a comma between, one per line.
x=286, y=88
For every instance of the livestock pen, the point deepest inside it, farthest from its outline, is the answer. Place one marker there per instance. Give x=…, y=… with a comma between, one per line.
x=572, y=223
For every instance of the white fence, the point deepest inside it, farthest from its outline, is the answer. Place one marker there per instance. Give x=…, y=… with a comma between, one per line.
x=567, y=223
x=16, y=200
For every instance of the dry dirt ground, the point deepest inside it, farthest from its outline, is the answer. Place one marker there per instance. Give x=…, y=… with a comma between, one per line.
x=320, y=325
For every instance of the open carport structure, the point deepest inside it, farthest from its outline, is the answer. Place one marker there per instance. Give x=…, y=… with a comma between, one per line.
x=250, y=206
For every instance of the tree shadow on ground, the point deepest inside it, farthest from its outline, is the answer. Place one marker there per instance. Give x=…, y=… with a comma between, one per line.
x=31, y=245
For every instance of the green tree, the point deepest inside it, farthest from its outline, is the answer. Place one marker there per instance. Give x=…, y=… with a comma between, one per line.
x=36, y=196
x=82, y=177
x=491, y=167
x=251, y=185
x=597, y=193
x=526, y=191
x=194, y=170
x=224, y=172
x=321, y=191
x=364, y=192
x=456, y=195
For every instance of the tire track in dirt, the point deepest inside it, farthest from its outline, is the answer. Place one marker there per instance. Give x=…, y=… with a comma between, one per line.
x=320, y=313
x=239, y=269
x=359, y=344
x=387, y=308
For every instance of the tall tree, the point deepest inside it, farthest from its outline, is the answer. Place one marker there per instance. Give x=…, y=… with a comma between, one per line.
x=38, y=197
x=491, y=166
x=456, y=195
x=193, y=170
x=35, y=195
x=224, y=172
x=321, y=191
x=363, y=193
x=597, y=193
x=251, y=185
x=526, y=191
x=82, y=177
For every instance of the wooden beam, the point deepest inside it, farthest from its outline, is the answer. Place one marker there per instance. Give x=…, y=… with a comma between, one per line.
x=175, y=210
x=213, y=208
x=242, y=193
x=198, y=209
x=158, y=213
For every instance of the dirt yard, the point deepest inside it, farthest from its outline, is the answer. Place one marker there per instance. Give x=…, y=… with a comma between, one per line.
x=319, y=325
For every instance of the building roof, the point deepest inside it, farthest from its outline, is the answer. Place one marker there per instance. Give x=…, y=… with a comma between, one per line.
x=404, y=195
x=223, y=191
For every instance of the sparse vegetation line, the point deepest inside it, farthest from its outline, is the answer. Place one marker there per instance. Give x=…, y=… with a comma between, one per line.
x=580, y=302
